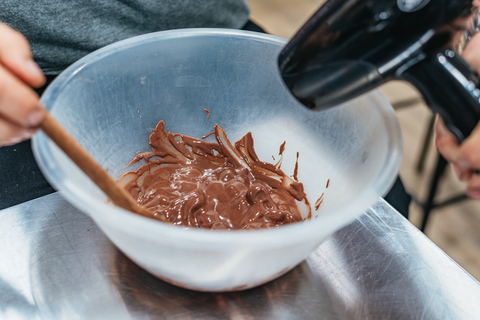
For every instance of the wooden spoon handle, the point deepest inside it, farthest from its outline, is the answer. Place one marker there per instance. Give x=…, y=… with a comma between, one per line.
x=92, y=169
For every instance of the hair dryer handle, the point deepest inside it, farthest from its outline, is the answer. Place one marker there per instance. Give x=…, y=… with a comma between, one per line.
x=450, y=88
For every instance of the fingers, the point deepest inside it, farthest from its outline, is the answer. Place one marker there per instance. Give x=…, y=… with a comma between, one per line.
x=20, y=107
x=11, y=134
x=15, y=56
x=464, y=158
x=445, y=141
x=473, y=187
x=472, y=51
x=463, y=174
x=465, y=155
x=19, y=104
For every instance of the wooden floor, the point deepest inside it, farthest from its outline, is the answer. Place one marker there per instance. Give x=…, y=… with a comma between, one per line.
x=454, y=228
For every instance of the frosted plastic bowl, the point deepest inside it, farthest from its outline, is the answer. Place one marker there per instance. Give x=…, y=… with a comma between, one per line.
x=112, y=99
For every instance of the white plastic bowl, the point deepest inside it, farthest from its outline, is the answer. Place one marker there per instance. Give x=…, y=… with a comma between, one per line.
x=112, y=99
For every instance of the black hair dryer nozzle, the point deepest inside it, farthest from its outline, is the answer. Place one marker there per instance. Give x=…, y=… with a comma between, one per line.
x=349, y=47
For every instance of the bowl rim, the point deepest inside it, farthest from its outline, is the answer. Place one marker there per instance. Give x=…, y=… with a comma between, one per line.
x=108, y=216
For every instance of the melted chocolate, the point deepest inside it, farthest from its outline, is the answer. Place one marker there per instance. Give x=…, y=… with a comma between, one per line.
x=207, y=111
x=194, y=183
x=319, y=201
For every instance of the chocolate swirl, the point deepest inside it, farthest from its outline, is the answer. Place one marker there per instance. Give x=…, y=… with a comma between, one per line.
x=194, y=183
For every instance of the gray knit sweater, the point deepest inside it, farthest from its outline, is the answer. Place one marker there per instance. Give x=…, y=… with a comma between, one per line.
x=62, y=31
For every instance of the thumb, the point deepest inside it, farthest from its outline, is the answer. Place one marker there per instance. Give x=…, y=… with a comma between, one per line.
x=15, y=55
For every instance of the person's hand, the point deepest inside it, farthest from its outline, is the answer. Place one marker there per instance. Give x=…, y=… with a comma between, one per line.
x=20, y=108
x=471, y=52
x=465, y=158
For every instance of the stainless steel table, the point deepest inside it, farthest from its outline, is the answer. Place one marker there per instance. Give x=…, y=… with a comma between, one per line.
x=56, y=264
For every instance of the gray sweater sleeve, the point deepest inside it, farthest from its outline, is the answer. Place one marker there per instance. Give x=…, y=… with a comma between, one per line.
x=62, y=31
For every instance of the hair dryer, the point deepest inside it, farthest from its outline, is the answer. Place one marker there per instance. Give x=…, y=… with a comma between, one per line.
x=349, y=47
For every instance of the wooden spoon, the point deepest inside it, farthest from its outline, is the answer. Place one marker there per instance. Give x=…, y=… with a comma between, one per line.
x=92, y=169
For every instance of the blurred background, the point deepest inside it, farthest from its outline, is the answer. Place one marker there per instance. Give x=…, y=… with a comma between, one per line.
x=454, y=222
